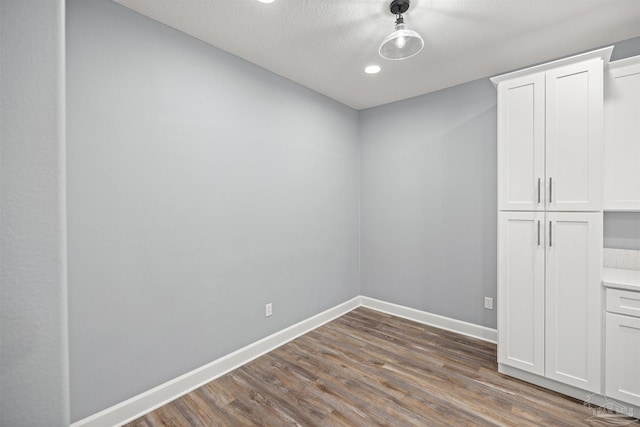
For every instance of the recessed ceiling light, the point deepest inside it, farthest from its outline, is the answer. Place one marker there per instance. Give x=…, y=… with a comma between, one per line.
x=372, y=69
x=266, y=1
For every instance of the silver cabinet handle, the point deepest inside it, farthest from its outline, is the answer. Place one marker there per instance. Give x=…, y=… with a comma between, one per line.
x=538, y=190
x=550, y=189
x=538, y=232
x=550, y=235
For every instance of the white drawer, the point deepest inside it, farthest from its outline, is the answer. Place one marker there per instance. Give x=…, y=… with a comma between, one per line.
x=623, y=302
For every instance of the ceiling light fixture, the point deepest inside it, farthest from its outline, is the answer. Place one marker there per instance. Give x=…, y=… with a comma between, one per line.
x=372, y=69
x=402, y=43
x=266, y=1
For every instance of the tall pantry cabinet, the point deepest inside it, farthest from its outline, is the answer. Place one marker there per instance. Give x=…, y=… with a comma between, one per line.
x=550, y=121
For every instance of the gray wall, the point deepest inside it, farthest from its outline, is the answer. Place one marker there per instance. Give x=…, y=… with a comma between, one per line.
x=34, y=388
x=200, y=188
x=429, y=201
x=626, y=49
x=622, y=230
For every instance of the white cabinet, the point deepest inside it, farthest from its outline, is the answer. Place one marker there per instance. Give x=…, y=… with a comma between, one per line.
x=622, y=136
x=550, y=139
x=574, y=100
x=521, y=139
x=549, y=295
x=573, y=299
x=521, y=271
x=622, y=354
x=623, y=358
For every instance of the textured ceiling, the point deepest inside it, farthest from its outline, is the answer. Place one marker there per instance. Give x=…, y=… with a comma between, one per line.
x=325, y=44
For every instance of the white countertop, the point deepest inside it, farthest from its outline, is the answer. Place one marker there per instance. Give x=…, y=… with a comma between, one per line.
x=621, y=279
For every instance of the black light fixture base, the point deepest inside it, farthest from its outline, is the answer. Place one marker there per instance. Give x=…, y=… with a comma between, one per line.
x=398, y=7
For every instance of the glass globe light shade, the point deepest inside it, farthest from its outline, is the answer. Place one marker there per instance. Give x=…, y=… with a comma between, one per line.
x=401, y=44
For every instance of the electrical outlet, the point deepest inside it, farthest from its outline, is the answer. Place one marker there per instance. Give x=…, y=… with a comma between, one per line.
x=268, y=310
x=488, y=303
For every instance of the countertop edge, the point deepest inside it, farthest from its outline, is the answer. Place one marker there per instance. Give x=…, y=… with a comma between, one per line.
x=618, y=278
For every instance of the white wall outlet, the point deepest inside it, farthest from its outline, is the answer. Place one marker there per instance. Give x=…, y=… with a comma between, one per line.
x=488, y=303
x=268, y=310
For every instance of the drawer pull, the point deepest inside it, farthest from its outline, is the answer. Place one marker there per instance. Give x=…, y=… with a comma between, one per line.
x=623, y=302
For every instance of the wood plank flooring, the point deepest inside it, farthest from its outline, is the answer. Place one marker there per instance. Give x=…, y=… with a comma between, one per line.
x=371, y=369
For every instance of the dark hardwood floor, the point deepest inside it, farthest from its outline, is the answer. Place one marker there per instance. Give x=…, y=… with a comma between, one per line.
x=371, y=369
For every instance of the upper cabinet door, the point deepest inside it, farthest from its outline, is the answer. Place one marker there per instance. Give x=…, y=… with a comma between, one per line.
x=574, y=100
x=521, y=133
x=622, y=136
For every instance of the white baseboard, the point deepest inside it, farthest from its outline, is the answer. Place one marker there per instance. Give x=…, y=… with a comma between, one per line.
x=146, y=402
x=143, y=403
x=446, y=323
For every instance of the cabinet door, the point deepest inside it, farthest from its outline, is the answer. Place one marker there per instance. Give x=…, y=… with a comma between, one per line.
x=521, y=290
x=521, y=143
x=573, y=298
x=623, y=358
x=622, y=136
x=574, y=101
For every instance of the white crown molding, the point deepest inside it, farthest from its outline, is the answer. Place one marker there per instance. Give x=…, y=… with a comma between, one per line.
x=604, y=54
